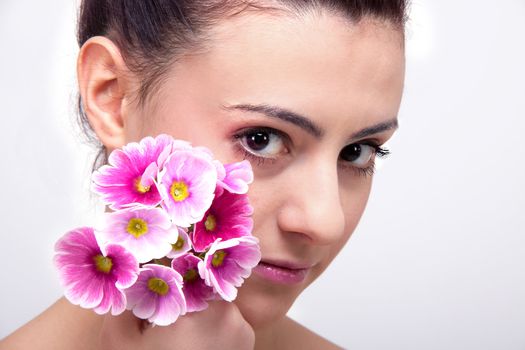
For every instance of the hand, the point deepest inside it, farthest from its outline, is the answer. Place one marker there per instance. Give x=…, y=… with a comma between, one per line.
x=221, y=326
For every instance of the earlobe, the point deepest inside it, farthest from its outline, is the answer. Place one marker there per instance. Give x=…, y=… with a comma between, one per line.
x=102, y=84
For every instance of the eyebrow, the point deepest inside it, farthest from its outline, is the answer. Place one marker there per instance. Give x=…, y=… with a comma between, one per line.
x=375, y=129
x=305, y=123
x=282, y=114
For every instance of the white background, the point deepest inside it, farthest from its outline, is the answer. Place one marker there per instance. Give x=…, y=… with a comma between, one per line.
x=438, y=261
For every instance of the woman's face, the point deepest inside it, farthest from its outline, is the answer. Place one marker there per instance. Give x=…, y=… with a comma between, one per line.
x=307, y=101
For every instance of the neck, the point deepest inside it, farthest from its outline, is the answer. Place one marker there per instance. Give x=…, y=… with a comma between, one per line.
x=271, y=336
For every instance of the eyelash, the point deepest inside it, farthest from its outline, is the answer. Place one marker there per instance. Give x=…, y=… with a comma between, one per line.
x=251, y=156
x=379, y=151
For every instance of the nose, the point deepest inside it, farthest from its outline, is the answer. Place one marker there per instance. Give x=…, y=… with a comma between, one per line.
x=311, y=203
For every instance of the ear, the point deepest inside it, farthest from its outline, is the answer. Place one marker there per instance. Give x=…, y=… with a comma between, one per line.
x=103, y=84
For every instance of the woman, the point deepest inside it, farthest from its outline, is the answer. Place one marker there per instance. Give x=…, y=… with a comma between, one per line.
x=307, y=90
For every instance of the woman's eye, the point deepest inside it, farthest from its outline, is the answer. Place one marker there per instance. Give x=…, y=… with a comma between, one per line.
x=360, y=155
x=263, y=143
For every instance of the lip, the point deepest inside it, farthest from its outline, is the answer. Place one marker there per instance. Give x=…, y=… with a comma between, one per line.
x=282, y=272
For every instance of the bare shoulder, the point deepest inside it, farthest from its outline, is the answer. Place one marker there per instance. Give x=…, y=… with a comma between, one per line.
x=293, y=335
x=61, y=326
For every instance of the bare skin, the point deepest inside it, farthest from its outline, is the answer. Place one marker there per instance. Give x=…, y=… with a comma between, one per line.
x=347, y=80
x=61, y=326
x=64, y=326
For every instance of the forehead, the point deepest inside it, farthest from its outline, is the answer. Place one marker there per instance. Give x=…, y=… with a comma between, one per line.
x=319, y=65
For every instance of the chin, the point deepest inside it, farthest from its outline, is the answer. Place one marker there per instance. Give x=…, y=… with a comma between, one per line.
x=262, y=303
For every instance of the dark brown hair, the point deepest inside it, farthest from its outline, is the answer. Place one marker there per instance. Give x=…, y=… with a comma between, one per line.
x=152, y=34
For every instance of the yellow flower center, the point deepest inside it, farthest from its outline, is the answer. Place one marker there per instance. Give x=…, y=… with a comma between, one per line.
x=210, y=223
x=179, y=244
x=158, y=286
x=179, y=191
x=139, y=187
x=190, y=275
x=218, y=258
x=103, y=263
x=137, y=227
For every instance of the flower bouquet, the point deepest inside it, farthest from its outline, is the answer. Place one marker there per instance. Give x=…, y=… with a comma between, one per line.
x=178, y=236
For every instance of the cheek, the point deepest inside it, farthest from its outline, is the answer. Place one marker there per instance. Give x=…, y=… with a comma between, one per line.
x=353, y=203
x=353, y=194
x=263, y=201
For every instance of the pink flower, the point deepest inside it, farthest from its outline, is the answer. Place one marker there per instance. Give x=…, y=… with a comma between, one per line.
x=227, y=263
x=228, y=217
x=128, y=180
x=187, y=184
x=237, y=177
x=157, y=295
x=147, y=233
x=93, y=279
x=195, y=290
x=182, y=246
